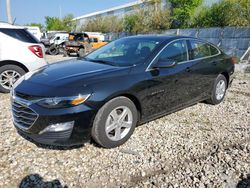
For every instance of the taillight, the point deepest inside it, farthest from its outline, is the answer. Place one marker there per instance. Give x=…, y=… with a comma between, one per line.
x=37, y=50
x=233, y=60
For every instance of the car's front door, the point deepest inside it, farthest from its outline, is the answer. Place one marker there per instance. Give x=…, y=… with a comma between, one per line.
x=168, y=87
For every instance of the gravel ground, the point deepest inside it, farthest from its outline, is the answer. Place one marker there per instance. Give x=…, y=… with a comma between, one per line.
x=201, y=146
x=53, y=59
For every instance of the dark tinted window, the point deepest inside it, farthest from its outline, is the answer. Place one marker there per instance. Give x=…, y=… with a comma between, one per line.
x=202, y=49
x=213, y=50
x=93, y=40
x=78, y=37
x=20, y=34
x=125, y=51
x=176, y=51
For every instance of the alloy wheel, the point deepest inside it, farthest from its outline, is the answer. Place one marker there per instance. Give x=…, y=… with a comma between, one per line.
x=118, y=123
x=8, y=78
x=220, y=90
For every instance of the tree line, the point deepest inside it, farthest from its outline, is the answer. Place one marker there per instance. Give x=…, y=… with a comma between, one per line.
x=57, y=24
x=153, y=17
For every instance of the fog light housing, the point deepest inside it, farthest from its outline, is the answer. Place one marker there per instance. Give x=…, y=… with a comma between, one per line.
x=58, y=127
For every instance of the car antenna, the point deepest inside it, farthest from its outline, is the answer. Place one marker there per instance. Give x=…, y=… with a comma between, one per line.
x=13, y=23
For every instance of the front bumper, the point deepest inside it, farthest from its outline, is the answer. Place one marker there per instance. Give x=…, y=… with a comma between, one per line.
x=63, y=138
x=72, y=49
x=81, y=115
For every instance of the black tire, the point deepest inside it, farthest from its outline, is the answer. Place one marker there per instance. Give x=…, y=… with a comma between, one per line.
x=10, y=67
x=81, y=52
x=65, y=54
x=53, y=50
x=98, y=130
x=213, y=100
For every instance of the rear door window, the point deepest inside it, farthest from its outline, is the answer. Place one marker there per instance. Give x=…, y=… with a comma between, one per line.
x=175, y=51
x=20, y=34
x=202, y=50
x=213, y=50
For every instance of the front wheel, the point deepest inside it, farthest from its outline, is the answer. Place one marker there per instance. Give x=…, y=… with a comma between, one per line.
x=115, y=122
x=9, y=74
x=219, y=90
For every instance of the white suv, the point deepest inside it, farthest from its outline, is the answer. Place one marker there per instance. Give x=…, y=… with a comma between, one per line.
x=20, y=52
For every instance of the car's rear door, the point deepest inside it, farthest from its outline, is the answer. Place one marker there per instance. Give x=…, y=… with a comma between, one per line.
x=168, y=88
x=204, y=59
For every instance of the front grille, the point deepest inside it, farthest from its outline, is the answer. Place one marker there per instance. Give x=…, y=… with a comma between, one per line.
x=23, y=116
x=26, y=96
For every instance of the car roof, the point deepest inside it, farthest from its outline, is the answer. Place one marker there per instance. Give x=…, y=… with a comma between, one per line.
x=9, y=26
x=161, y=37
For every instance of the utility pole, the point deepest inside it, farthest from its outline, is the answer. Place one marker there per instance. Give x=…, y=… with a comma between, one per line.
x=60, y=12
x=8, y=11
x=0, y=9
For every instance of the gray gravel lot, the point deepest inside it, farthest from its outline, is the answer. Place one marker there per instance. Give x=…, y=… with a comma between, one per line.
x=201, y=146
x=53, y=59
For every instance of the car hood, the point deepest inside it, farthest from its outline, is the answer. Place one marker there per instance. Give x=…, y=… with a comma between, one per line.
x=73, y=73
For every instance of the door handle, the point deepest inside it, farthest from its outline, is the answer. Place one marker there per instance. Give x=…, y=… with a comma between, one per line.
x=188, y=69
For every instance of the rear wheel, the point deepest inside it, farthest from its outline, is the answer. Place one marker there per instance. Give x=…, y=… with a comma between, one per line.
x=219, y=90
x=9, y=74
x=53, y=50
x=115, y=122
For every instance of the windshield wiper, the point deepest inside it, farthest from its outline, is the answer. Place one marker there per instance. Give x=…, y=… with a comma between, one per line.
x=101, y=61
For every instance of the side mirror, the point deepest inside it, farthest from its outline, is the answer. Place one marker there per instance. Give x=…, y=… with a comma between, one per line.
x=165, y=63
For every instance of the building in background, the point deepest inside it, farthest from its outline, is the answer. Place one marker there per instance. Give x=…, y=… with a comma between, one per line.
x=119, y=11
x=122, y=10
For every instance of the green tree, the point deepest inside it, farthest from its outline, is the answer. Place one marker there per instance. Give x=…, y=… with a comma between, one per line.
x=97, y=24
x=65, y=24
x=103, y=24
x=153, y=17
x=160, y=20
x=240, y=15
x=182, y=11
x=53, y=23
x=36, y=25
x=222, y=14
x=68, y=23
x=133, y=23
x=114, y=24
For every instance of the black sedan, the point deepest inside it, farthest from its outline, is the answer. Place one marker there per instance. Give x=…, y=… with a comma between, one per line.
x=130, y=81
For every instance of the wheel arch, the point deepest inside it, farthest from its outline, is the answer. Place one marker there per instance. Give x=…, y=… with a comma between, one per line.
x=11, y=62
x=134, y=99
x=226, y=76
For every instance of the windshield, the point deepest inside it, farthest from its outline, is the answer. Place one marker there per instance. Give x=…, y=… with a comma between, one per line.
x=125, y=52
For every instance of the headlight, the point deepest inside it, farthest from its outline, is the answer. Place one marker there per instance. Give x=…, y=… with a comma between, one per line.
x=62, y=102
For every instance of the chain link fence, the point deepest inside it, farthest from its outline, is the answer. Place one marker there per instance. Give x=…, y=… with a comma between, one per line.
x=234, y=41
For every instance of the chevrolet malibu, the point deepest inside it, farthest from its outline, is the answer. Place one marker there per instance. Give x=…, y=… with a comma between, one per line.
x=128, y=82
